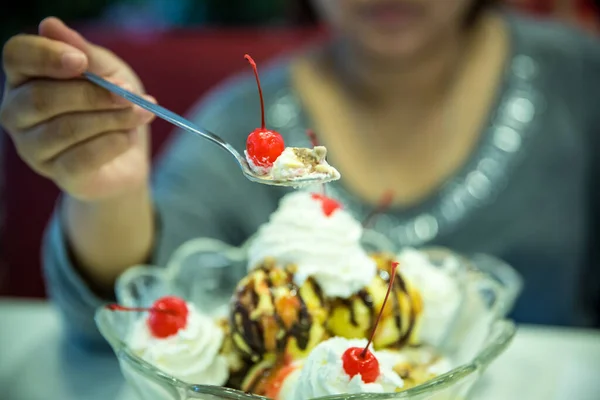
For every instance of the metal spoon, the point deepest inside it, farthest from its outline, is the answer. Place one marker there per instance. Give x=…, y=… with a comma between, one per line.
x=203, y=133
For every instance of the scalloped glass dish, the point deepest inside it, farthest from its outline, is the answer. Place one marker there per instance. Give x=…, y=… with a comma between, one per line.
x=206, y=272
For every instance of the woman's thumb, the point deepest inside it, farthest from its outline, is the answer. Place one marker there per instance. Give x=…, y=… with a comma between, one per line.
x=100, y=61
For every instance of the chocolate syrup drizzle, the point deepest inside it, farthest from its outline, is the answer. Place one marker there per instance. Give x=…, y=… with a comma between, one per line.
x=400, y=284
x=242, y=325
x=366, y=299
x=251, y=331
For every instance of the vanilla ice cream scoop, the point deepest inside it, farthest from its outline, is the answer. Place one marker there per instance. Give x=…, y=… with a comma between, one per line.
x=439, y=290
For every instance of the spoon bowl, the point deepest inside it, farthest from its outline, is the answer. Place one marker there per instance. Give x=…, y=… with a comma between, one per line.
x=189, y=126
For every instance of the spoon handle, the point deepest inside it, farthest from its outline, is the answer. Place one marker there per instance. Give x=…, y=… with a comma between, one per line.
x=160, y=111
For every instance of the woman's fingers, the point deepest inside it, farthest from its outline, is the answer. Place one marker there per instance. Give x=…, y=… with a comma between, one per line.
x=40, y=100
x=48, y=140
x=85, y=158
x=30, y=56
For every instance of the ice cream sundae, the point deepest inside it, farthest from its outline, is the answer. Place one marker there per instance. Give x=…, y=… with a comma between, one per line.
x=315, y=314
x=267, y=154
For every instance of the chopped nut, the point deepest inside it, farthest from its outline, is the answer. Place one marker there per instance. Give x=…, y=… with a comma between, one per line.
x=306, y=156
x=320, y=152
x=324, y=169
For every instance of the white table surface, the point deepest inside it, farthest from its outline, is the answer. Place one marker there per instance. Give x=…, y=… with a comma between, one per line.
x=35, y=363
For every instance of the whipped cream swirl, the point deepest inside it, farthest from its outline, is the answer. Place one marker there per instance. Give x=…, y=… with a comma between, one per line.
x=323, y=373
x=191, y=355
x=324, y=247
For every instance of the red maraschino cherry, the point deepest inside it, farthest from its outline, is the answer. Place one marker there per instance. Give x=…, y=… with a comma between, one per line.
x=328, y=204
x=357, y=361
x=167, y=315
x=263, y=145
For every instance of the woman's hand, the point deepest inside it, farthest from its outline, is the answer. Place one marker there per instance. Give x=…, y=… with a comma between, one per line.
x=92, y=144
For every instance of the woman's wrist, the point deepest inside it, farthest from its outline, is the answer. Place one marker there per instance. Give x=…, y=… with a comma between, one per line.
x=108, y=236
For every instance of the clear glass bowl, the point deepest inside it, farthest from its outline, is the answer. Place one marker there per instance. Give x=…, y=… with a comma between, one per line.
x=205, y=272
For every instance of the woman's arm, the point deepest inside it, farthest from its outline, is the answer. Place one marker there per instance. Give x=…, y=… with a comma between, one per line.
x=197, y=191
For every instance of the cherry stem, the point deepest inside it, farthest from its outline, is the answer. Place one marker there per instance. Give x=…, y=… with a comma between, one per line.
x=260, y=93
x=313, y=137
x=117, y=307
x=384, y=203
x=387, y=294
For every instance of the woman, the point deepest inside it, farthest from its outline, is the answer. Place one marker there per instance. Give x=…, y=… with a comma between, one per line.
x=480, y=122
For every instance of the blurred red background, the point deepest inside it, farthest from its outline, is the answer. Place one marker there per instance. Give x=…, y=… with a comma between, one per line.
x=177, y=67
